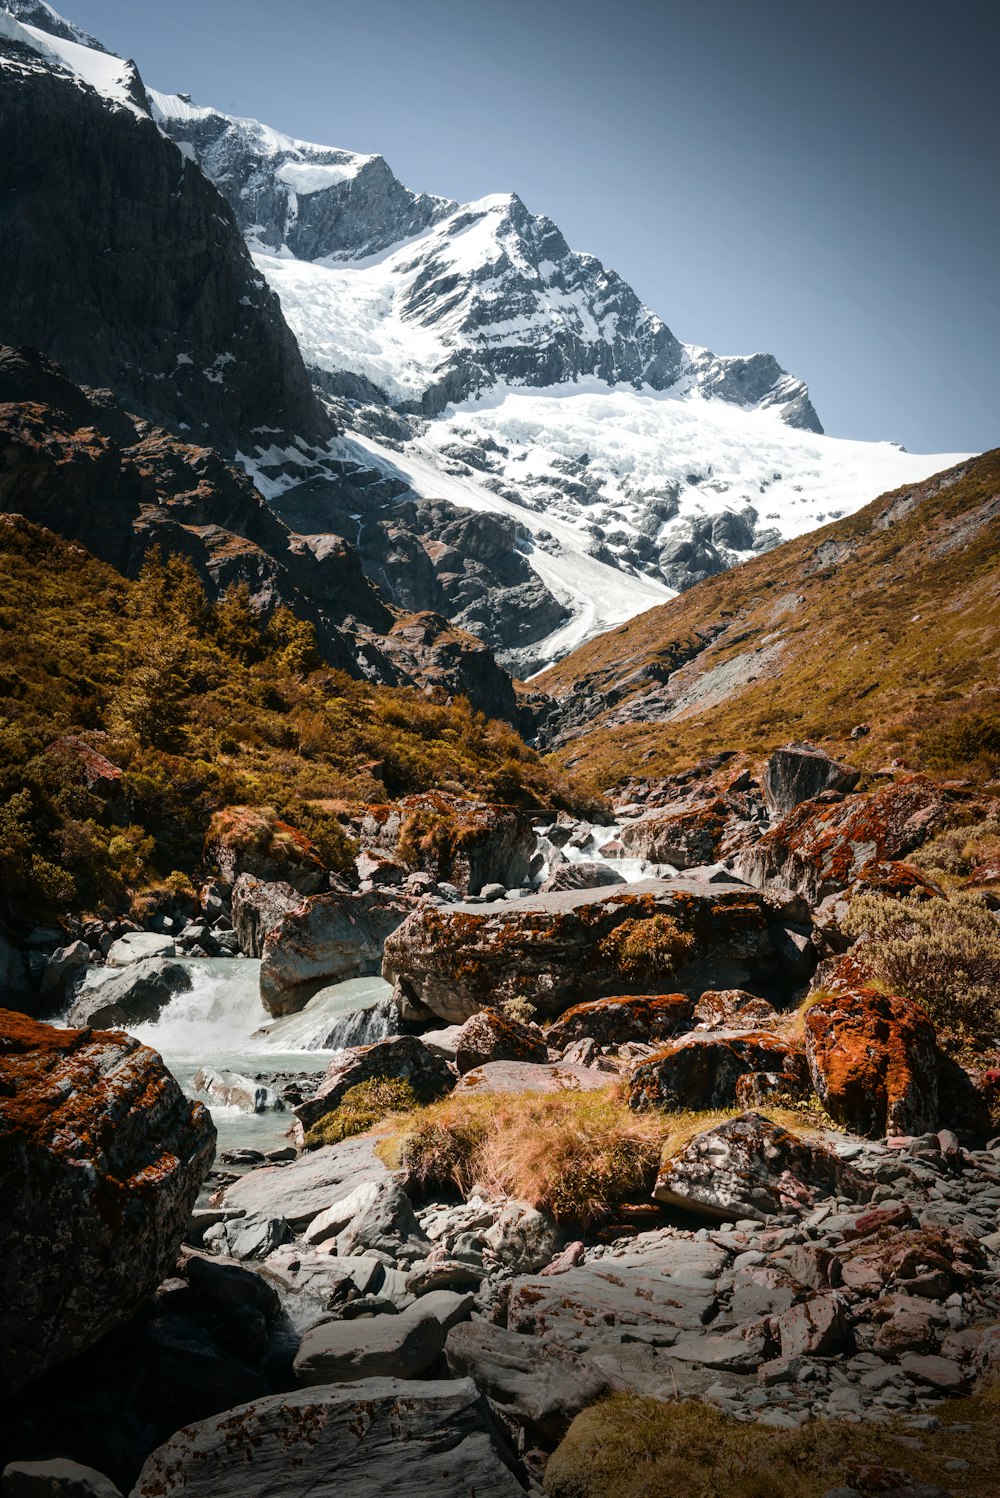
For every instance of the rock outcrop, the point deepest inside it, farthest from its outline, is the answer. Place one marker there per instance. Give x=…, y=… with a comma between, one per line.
x=468, y=843
x=102, y=1157
x=705, y=1071
x=798, y=772
x=251, y=840
x=558, y=949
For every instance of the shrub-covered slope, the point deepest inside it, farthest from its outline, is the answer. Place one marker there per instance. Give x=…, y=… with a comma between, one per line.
x=887, y=623
x=199, y=705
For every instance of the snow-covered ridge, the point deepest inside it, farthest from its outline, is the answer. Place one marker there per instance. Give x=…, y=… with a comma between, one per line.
x=112, y=77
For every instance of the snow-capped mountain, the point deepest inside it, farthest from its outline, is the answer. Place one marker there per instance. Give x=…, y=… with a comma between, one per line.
x=529, y=379
x=525, y=447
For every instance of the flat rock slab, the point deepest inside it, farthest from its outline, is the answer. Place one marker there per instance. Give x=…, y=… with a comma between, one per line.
x=312, y=1183
x=534, y=1076
x=138, y=945
x=386, y=1346
x=672, y=1290
x=361, y=1440
x=539, y=1386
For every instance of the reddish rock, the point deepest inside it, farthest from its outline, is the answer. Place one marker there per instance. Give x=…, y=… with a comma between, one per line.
x=250, y=840
x=821, y=847
x=100, y=775
x=326, y=939
x=701, y=1071
x=101, y=1158
x=816, y=1328
x=491, y=1036
x=895, y=879
x=873, y=1059
x=558, y=949
x=614, y=1021
x=684, y=838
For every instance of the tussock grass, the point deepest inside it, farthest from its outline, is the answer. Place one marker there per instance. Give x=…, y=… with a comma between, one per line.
x=576, y=1155
x=640, y=1448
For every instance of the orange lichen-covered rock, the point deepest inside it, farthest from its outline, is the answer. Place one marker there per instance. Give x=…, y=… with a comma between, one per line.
x=873, y=1058
x=491, y=1036
x=325, y=939
x=576, y=945
x=614, y=1021
x=468, y=843
x=682, y=838
x=734, y=1009
x=250, y=840
x=101, y=1159
x=895, y=879
x=702, y=1070
x=821, y=846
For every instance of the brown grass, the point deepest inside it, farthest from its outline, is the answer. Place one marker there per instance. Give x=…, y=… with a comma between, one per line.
x=641, y=1448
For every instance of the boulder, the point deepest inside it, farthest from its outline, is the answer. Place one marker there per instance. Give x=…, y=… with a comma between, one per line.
x=136, y=996
x=492, y=1036
x=467, y=843
x=798, y=772
x=402, y=1058
x=384, y=1224
x=702, y=1070
x=251, y=840
x=625, y=1017
x=734, y=1009
x=257, y=908
x=63, y=968
x=539, y=1389
x=815, y=1328
x=386, y=1346
x=326, y=939
x=367, y=1439
x=873, y=1058
x=684, y=839
x=57, y=1478
x=586, y=875
x=522, y=1239
x=102, y=1157
x=309, y=1185
x=820, y=847
x=136, y=946
x=558, y=949
x=236, y=1091
x=749, y=1167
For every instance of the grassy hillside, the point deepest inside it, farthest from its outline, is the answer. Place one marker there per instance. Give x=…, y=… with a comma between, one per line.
x=200, y=707
x=890, y=618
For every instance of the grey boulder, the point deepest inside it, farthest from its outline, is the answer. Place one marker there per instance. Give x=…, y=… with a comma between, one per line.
x=136, y=996
x=361, y=1440
x=398, y=1346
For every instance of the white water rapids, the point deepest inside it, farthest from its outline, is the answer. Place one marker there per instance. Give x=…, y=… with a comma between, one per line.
x=221, y=1024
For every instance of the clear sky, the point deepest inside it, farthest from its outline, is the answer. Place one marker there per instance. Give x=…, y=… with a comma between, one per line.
x=817, y=178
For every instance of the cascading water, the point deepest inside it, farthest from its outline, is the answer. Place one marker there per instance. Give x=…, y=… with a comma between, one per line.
x=220, y=1024
x=593, y=838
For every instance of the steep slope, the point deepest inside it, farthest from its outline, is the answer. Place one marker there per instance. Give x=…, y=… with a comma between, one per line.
x=882, y=630
x=122, y=261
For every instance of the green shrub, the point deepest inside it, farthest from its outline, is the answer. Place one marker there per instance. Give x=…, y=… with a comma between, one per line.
x=944, y=954
x=957, y=851
x=361, y=1108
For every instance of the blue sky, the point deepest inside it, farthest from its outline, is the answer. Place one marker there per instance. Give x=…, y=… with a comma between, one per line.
x=817, y=180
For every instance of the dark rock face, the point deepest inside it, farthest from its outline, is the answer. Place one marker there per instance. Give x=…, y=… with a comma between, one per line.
x=154, y=292
x=489, y=1036
x=798, y=772
x=258, y=906
x=102, y=1157
x=557, y=949
x=821, y=847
